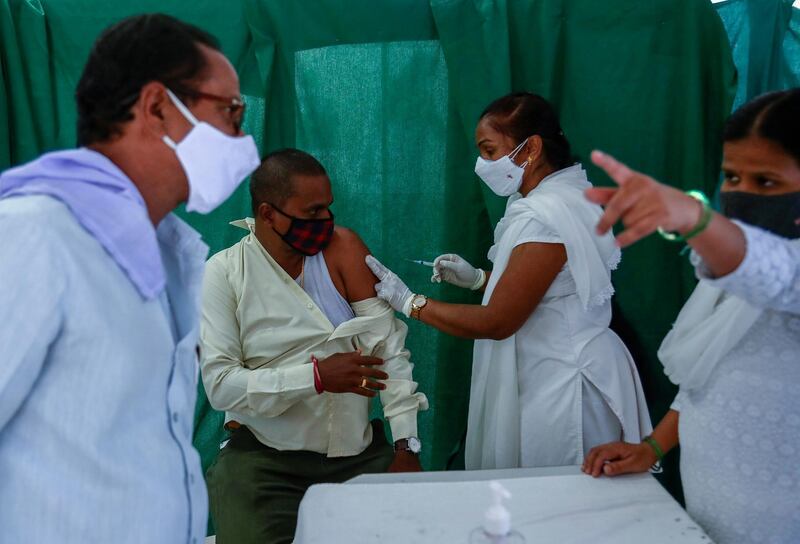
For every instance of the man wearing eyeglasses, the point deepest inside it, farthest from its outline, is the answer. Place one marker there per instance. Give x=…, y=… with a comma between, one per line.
x=99, y=294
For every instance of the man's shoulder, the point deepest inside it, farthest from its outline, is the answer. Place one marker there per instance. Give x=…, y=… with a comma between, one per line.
x=346, y=250
x=226, y=267
x=346, y=256
x=40, y=237
x=225, y=257
x=34, y=216
x=31, y=207
x=347, y=240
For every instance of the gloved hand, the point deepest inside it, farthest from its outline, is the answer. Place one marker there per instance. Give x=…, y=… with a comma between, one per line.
x=453, y=269
x=390, y=287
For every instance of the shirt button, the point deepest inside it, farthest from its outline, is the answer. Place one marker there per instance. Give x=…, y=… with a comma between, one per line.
x=310, y=306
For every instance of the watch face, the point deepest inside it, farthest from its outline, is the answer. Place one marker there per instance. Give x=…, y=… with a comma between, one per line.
x=419, y=301
x=414, y=445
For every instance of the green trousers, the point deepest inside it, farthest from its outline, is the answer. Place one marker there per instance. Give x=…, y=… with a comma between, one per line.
x=255, y=491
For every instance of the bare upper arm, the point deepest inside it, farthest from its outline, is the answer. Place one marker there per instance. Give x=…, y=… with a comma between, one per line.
x=345, y=257
x=531, y=270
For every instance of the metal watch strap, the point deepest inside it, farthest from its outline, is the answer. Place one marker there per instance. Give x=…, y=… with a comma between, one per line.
x=404, y=445
x=416, y=309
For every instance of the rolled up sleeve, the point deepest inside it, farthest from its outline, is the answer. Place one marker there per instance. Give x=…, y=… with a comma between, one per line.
x=401, y=401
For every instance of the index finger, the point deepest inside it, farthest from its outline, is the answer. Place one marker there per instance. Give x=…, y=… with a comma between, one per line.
x=600, y=195
x=611, y=214
x=443, y=257
x=615, y=169
x=377, y=268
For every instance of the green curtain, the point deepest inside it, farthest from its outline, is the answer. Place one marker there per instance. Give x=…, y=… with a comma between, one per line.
x=387, y=93
x=765, y=40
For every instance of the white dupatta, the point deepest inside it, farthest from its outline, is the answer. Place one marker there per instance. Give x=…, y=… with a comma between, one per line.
x=709, y=325
x=493, y=436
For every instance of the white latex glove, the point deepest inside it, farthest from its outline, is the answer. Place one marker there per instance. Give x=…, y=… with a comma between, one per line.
x=453, y=269
x=390, y=287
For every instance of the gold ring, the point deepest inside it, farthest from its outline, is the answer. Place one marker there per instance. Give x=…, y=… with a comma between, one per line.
x=363, y=383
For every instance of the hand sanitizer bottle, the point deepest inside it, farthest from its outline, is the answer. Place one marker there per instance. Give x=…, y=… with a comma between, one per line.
x=496, y=521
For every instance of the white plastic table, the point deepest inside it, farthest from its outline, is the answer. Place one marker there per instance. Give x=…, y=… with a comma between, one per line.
x=559, y=505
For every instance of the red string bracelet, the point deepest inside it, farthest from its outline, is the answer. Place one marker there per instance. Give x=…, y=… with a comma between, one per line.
x=317, y=378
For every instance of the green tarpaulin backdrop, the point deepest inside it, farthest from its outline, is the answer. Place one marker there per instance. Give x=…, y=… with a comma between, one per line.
x=387, y=92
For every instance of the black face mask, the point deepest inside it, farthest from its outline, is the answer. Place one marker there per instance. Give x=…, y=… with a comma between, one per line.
x=779, y=214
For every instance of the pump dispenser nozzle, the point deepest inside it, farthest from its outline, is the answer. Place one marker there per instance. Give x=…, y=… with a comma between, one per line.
x=496, y=527
x=497, y=520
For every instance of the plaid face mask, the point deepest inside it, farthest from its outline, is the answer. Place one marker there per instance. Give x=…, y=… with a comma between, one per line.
x=307, y=236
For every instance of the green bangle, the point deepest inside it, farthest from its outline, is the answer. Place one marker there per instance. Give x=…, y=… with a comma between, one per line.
x=656, y=448
x=705, y=219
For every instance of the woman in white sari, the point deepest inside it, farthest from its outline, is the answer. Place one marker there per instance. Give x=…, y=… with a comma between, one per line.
x=550, y=380
x=735, y=347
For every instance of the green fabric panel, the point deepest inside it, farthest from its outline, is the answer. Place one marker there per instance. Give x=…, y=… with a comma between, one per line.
x=791, y=50
x=25, y=55
x=769, y=22
x=5, y=123
x=734, y=18
x=765, y=40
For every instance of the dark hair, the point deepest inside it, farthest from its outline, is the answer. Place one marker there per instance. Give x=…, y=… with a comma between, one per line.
x=127, y=56
x=272, y=181
x=521, y=115
x=773, y=116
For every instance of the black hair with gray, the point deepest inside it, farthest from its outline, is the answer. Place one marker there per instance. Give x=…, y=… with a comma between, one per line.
x=127, y=56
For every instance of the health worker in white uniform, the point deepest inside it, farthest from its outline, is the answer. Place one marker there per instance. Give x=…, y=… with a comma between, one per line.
x=550, y=380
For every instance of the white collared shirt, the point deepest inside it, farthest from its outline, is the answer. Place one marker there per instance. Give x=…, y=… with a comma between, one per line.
x=97, y=385
x=259, y=330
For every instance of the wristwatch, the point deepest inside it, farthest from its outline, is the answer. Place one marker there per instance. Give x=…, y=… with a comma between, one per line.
x=417, y=303
x=412, y=445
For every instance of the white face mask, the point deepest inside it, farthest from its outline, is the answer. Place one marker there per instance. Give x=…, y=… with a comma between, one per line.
x=502, y=176
x=215, y=163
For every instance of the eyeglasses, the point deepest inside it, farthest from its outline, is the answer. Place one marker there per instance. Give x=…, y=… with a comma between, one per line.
x=233, y=106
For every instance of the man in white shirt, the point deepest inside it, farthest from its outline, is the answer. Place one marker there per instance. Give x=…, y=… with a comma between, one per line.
x=99, y=294
x=294, y=345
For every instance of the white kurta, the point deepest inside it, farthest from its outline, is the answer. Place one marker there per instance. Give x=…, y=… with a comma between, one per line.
x=533, y=392
x=740, y=427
